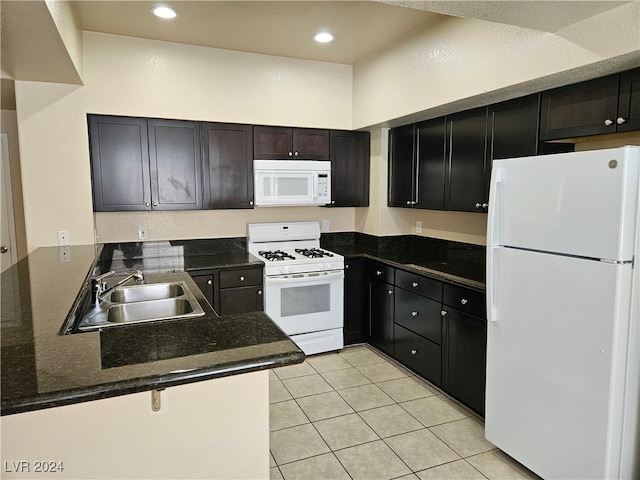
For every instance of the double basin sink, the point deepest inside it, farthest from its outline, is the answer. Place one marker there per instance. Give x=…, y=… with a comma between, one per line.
x=140, y=303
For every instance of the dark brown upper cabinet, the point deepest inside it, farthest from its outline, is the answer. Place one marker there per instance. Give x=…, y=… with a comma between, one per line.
x=466, y=161
x=284, y=143
x=227, y=165
x=350, y=160
x=144, y=164
x=402, y=168
x=604, y=105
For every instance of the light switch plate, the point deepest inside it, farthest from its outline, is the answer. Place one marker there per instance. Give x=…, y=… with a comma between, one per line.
x=63, y=237
x=324, y=226
x=418, y=226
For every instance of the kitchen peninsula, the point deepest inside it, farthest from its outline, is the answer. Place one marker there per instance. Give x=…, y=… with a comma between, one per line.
x=172, y=399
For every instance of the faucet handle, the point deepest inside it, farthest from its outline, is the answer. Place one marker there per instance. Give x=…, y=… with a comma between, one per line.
x=99, y=278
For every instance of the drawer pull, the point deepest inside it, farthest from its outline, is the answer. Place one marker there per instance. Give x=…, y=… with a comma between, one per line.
x=209, y=282
x=414, y=284
x=259, y=292
x=413, y=352
x=242, y=279
x=443, y=312
x=464, y=301
x=390, y=292
x=414, y=314
x=378, y=272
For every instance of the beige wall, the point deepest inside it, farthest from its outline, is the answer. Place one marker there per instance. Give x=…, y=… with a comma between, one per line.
x=213, y=429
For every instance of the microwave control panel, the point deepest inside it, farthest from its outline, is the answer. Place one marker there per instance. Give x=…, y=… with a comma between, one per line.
x=323, y=186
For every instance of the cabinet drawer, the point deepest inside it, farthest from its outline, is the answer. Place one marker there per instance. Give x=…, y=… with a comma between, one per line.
x=468, y=301
x=419, y=314
x=240, y=278
x=418, y=353
x=417, y=283
x=380, y=271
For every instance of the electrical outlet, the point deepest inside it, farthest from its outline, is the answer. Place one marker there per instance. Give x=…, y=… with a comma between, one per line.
x=63, y=237
x=324, y=226
x=143, y=233
x=418, y=226
x=65, y=253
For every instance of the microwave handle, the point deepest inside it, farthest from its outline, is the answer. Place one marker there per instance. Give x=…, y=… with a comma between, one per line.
x=315, y=185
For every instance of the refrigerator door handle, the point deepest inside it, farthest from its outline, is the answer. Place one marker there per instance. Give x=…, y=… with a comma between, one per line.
x=492, y=269
x=496, y=198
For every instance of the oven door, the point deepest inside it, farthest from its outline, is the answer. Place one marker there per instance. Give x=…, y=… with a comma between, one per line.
x=306, y=302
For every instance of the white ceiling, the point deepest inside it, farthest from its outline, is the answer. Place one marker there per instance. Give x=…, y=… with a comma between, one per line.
x=286, y=28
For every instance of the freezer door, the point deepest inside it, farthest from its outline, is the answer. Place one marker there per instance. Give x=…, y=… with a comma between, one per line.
x=556, y=356
x=582, y=203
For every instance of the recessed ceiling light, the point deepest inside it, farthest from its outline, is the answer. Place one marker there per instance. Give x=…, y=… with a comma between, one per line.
x=164, y=12
x=324, y=37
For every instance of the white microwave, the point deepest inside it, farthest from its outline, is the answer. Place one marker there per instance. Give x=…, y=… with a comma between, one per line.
x=291, y=182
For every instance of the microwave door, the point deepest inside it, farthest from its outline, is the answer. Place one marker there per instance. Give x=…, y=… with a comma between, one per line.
x=284, y=188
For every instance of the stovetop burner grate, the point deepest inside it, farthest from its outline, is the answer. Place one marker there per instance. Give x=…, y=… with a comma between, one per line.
x=275, y=255
x=313, y=252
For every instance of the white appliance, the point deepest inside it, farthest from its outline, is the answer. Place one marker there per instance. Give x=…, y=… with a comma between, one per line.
x=304, y=284
x=292, y=182
x=563, y=336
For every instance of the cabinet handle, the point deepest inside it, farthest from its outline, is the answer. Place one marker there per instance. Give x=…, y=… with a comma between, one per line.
x=443, y=312
x=155, y=204
x=346, y=266
x=259, y=292
x=464, y=301
x=291, y=154
x=485, y=205
x=390, y=292
x=147, y=204
x=378, y=272
x=209, y=282
x=414, y=314
x=242, y=279
x=251, y=202
x=295, y=154
x=414, y=284
x=333, y=202
x=408, y=202
x=620, y=120
x=413, y=352
x=478, y=205
x=608, y=122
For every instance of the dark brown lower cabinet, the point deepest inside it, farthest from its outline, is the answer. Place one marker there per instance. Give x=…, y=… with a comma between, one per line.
x=241, y=300
x=235, y=290
x=381, y=315
x=355, y=300
x=419, y=354
x=464, y=357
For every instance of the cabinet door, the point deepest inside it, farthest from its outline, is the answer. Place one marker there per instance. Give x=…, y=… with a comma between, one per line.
x=119, y=163
x=629, y=102
x=205, y=283
x=350, y=169
x=464, y=358
x=227, y=165
x=513, y=132
x=401, y=167
x=310, y=144
x=587, y=108
x=241, y=300
x=464, y=188
x=356, y=300
x=381, y=304
x=272, y=143
x=176, y=169
x=431, y=142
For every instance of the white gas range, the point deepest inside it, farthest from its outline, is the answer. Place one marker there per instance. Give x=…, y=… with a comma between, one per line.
x=303, y=283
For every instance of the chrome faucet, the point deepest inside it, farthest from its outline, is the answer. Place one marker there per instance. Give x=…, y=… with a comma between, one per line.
x=99, y=286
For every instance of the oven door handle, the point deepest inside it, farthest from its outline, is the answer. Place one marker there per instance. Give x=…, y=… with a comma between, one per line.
x=305, y=278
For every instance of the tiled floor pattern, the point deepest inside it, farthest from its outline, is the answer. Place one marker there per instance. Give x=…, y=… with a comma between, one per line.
x=357, y=414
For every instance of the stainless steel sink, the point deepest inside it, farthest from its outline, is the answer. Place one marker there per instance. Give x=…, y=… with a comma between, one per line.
x=151, y=310
x=142, y=293
x=141, y=303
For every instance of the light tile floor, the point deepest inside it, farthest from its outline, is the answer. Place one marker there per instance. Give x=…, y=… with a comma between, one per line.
x=357, y=414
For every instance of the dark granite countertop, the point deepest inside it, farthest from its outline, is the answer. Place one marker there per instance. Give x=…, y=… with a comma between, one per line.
x=42, y=369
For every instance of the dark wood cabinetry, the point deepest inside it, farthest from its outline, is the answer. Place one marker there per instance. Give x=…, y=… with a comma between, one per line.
x=350, y=168
x=356, y=300
x=604, y=105
x=402, y=169
x=282, y=143
x=231, y=291
x=145, y=164
x=381, y=305
x=465, y=339
x=464, y=185
x=431, y=164
x=227, y=161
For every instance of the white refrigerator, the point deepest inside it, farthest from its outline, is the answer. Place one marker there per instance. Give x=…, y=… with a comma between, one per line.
x=563, y=336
